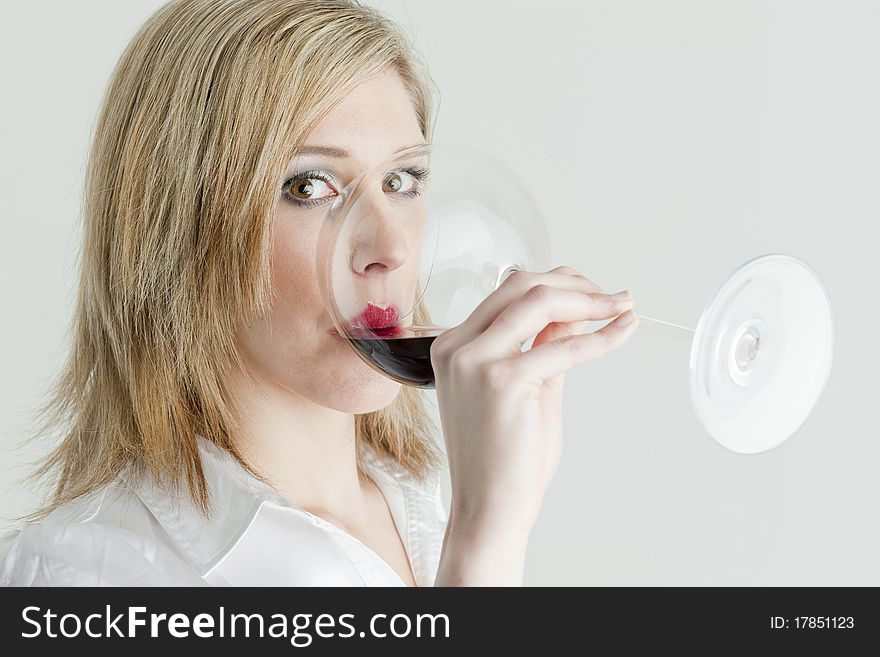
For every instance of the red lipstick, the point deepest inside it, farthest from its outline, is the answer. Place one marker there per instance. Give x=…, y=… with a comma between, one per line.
x=377, y=317
x=377, y=321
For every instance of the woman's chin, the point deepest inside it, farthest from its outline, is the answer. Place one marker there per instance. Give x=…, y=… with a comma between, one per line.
x=364, y=394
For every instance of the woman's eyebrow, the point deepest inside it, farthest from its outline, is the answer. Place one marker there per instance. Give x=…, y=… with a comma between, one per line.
x=330, y=151
x=335, y=151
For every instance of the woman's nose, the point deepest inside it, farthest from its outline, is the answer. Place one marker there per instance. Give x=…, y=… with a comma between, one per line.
x=379, y=243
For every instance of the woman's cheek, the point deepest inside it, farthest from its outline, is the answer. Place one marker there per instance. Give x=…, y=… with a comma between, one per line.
x=293, y=267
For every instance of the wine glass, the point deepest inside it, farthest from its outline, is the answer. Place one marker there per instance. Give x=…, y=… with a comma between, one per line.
x=409, y=248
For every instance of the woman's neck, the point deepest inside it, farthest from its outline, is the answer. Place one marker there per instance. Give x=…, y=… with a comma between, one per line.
x=307, y=451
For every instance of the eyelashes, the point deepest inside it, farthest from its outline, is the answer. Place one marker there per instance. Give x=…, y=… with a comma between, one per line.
x=306, y=177
x=419, y=176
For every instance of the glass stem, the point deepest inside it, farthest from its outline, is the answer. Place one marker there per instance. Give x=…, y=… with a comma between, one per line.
x=662, y=326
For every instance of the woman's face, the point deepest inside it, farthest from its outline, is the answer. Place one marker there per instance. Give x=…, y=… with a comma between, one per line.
x=295, y=349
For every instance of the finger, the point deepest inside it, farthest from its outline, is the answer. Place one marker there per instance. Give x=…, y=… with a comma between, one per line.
x=554, y=331
x=513, y=287
x=571, y=271
x=557, y=330
x=542, y=305
x=561, y=329
x=551, y=358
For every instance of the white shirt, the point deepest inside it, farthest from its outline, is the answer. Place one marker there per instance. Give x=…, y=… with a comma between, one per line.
x=131, y=533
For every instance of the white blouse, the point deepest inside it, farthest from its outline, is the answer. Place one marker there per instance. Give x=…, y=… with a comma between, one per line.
x=131, y=533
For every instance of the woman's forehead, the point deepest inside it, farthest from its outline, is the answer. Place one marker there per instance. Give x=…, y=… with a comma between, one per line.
x=374, y=121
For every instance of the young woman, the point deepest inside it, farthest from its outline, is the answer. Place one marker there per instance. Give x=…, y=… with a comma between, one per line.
x=215, y=430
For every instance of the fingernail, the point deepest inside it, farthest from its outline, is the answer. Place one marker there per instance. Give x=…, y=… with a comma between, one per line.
x=622, y=296
x=626, y=318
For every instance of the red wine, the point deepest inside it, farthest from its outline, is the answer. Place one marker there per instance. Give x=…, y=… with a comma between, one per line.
x=404, y=354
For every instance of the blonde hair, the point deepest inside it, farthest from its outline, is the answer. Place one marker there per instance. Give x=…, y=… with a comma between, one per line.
x=202, y=114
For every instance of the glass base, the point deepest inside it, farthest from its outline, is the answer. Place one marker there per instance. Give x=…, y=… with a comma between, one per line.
x=761, y=354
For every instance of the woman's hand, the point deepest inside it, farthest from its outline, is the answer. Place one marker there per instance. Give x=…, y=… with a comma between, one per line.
x=501, y=411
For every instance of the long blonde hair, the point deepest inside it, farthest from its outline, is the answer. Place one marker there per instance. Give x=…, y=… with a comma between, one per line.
x=202, y=114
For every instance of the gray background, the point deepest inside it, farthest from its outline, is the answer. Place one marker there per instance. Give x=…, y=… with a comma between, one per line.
x=667, y=144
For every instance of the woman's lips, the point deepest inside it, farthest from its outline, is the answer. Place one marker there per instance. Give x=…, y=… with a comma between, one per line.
x=376, y=320
x=377, y=317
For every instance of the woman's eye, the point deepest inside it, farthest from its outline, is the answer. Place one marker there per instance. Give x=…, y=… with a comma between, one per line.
x=399, y=182
x=309, y=190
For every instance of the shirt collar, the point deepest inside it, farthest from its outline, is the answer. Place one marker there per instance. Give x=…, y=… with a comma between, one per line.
x=236, y=497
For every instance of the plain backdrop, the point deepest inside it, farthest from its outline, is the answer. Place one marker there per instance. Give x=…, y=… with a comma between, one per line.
x=666, y=144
